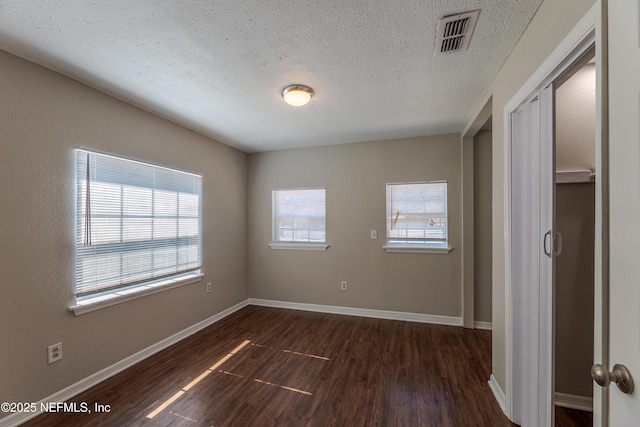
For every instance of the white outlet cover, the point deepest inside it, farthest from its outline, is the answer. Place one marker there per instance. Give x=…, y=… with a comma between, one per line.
x=54, y=352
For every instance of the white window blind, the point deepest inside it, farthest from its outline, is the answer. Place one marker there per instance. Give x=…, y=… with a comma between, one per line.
x=136, y=222
x=299, y=215
x=417, y=213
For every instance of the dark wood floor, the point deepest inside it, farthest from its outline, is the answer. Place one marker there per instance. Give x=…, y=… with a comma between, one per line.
x=566, y=417
x=274, y=367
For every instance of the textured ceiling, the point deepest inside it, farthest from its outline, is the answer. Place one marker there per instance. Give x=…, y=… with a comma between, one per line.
x=218, y=66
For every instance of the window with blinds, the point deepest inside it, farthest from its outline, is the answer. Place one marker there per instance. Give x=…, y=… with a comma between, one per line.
x=136, y=223
x=417, y=214
x=299, y=215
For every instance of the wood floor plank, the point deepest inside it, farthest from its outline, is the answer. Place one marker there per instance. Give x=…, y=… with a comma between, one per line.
x=566, y=417
x=304, y=369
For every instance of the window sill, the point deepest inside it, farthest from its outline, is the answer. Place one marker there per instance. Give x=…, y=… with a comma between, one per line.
x=299, y=246
x=440, y=249
x=96, y=302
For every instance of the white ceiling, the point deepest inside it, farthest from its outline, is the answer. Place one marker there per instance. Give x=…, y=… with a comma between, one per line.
x=219, y=66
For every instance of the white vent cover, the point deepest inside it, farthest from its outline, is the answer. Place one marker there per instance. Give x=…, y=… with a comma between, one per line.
x=454, y=31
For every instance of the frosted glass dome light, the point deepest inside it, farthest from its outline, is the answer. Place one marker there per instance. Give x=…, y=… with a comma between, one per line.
x=297, y=95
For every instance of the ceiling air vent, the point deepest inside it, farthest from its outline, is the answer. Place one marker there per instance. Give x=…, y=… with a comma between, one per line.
x=454, y=32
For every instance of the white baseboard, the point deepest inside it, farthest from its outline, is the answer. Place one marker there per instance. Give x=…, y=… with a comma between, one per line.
x=95, y=379
x=498, y=394
x=362, y=312
x=487, y=326
x=571, y=401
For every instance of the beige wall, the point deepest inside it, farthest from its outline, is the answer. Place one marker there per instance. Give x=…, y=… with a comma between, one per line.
x=43, y=115
x=482, y=225
x=355, y=176
x=576, y=121
x=551, y=24
x=575, y=220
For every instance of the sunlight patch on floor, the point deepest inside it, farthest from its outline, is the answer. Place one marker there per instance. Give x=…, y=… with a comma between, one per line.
x=230, y=373
x=197, y=380
x=217, y=365
x=284, y=387
x=306, y=354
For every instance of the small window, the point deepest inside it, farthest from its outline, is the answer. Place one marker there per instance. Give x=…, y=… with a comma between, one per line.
x=138, y=227
x=299, y=219
x=417, y=217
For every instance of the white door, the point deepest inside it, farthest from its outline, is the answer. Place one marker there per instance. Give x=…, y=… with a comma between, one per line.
x=548, y=247
x=624, y=202
x=533, y=256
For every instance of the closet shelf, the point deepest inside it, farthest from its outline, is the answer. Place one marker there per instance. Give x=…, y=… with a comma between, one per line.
x=575, y=177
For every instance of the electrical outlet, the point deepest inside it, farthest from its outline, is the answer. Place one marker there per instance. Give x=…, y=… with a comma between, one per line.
x=343, y=285
x=54, y=353
x=209, y=287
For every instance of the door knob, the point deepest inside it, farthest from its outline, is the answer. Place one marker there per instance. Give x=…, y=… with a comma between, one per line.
x=620, y=375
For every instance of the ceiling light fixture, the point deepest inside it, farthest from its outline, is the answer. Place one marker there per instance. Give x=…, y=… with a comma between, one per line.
x=297, y=95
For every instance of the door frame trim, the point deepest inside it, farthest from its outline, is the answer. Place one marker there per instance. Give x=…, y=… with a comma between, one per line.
x=467, y=146
x=575, y=43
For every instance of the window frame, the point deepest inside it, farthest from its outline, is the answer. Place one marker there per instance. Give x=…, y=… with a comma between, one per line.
x=308, y=245
x=128, y=288
x=417, y=245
